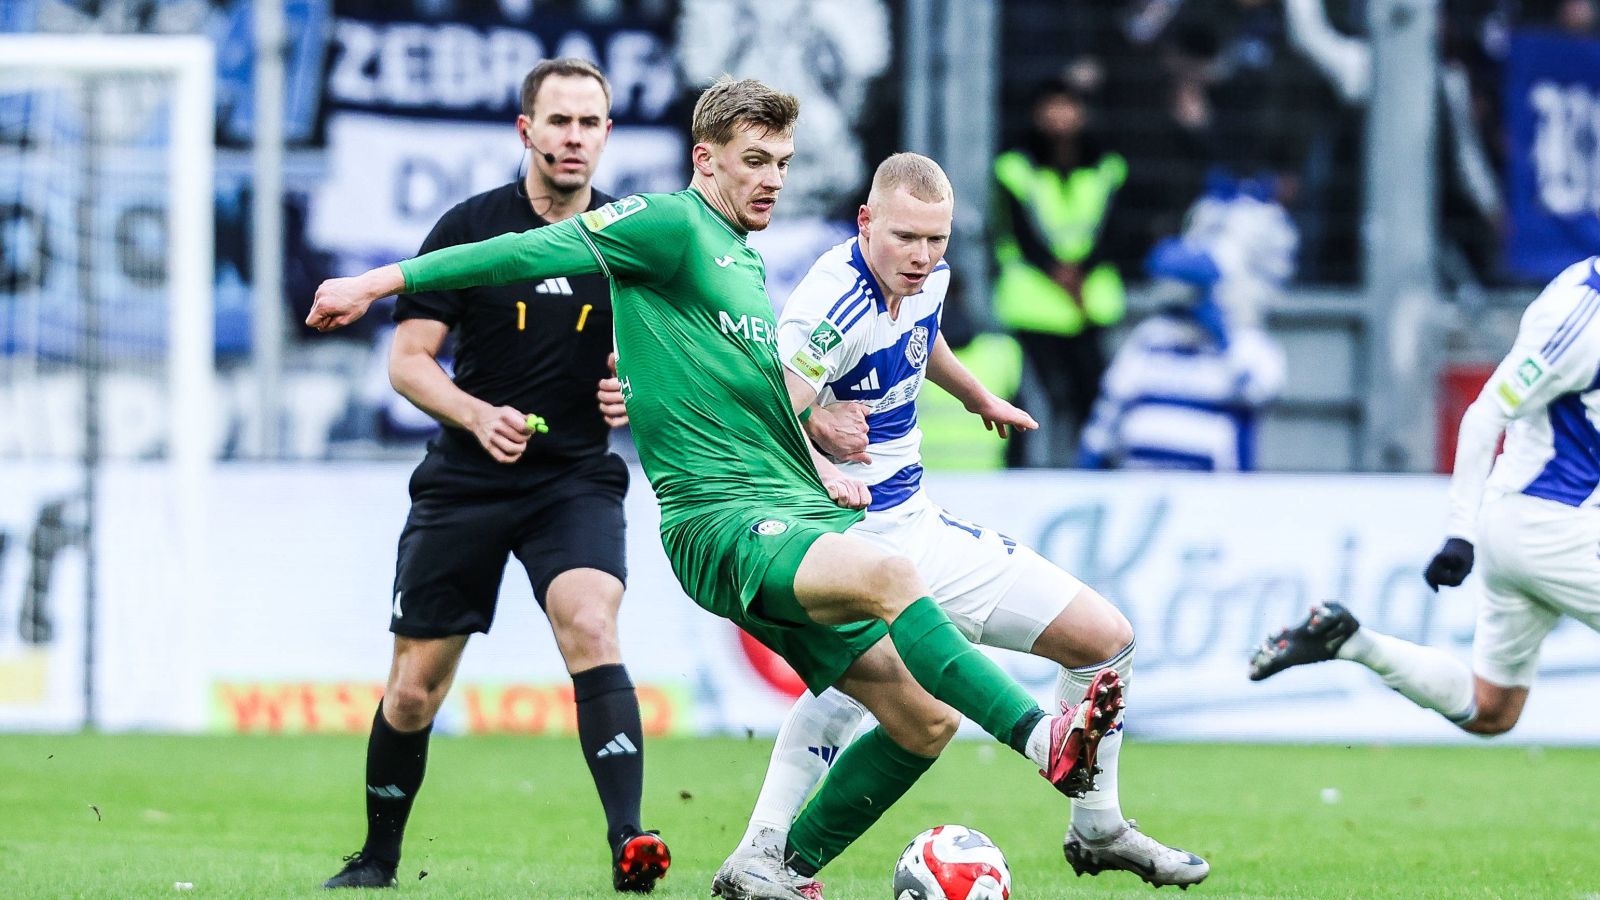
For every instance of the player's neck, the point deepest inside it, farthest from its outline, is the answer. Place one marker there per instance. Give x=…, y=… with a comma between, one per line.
x=707, y=188
x=552, y=205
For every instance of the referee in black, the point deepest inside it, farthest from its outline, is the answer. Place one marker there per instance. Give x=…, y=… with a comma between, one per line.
x=521, y=467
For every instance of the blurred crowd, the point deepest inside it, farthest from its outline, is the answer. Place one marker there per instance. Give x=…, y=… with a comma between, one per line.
x=1214, y=148
x=1179, y=87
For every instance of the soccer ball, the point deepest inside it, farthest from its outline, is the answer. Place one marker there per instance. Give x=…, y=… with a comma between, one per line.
x=952, y=862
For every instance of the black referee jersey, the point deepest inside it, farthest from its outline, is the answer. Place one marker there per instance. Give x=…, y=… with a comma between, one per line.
x=540, y=347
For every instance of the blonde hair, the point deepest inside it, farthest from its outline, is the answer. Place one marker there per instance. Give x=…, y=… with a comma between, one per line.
x=729, y=104
x=919, y=175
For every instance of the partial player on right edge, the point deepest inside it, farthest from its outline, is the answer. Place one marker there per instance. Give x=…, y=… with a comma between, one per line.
x=1536, y=531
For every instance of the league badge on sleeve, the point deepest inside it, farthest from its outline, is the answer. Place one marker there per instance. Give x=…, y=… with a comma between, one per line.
x=598, y=219
x=1512, y=391
x=824, y=337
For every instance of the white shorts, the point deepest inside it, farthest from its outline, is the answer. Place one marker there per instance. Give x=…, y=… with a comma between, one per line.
x=1539, y=562
x=998, y=592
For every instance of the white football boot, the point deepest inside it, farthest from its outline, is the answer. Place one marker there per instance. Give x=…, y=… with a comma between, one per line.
x=1131, y=850
x=757, y=871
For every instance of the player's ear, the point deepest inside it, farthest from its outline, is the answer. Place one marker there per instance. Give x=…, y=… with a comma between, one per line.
x=700, y=158
x=863, y=218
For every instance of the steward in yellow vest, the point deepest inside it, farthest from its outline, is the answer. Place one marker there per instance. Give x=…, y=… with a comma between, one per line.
x=1055, y=290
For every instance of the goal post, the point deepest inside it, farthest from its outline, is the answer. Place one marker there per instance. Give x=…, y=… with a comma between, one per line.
x=153, y=164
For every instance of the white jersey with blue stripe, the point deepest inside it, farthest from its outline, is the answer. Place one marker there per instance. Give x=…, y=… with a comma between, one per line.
x=1545, y=394
x=837, y=334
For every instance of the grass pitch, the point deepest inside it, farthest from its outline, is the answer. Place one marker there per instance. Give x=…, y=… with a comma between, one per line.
x=131, y=816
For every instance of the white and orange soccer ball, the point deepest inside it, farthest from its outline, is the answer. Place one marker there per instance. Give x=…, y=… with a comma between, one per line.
x=952, y=862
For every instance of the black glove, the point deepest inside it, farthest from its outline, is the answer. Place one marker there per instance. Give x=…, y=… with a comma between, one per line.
x=1450, y=566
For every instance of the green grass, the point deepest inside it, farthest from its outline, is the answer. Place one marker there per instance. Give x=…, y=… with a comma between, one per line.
x=510, y=817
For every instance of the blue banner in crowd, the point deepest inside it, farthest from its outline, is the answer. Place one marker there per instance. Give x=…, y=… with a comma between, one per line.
x=1552, y=104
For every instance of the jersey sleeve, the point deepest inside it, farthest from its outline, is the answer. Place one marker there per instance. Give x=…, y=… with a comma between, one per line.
x=441, y=306
x=1557, y=352
x=639, y=238
x=821, y=334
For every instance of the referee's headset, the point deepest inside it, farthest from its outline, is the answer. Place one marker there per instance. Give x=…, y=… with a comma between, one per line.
x=549, y=160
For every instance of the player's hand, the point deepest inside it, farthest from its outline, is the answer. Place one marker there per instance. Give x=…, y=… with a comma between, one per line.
x=850, y=493
x=998, y=415
x=340, y=301
x=503, y=431
x=840, y=431
x=1450, y=566
x=612, y=407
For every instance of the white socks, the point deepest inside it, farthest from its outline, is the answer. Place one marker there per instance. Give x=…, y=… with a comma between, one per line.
x=1427, y=676
x=1098, y=814
x=816, y=731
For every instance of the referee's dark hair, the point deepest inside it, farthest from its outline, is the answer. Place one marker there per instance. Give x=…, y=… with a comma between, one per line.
x=569, y=66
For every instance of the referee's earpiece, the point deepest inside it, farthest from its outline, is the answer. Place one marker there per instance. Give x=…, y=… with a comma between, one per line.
x=549, y=158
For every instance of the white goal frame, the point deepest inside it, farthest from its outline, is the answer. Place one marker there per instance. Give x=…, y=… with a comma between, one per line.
x=190, y=62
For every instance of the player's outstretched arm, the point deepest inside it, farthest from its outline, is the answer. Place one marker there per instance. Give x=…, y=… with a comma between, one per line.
x=340, y=301
x=946, y=371
x=560, y=249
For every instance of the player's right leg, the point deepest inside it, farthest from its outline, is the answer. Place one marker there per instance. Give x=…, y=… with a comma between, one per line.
x=397, y=753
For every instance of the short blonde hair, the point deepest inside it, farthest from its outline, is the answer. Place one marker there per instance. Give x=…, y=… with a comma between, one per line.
x=919, y=175
x=729, y=104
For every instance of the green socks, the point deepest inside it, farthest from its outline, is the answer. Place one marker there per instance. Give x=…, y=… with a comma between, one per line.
x=946, y=664
x=870, y=775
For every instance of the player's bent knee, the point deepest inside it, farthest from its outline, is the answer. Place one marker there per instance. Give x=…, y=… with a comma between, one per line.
x=1498, y=709
x=926, y=735
x=892, y=585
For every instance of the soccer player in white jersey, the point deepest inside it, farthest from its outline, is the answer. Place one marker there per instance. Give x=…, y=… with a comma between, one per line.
x=857, y=337
x=1535, y=521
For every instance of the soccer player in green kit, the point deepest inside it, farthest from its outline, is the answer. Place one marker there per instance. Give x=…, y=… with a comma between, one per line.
x=751, y=516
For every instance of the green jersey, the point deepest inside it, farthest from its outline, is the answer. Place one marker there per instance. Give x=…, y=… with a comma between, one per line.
x=697, y=346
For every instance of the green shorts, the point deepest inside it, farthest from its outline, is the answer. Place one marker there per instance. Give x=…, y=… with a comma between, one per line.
x=741, y=564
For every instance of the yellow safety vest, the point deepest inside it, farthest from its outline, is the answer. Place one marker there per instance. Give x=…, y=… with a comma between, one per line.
x=1068, y=212
x=954, y=439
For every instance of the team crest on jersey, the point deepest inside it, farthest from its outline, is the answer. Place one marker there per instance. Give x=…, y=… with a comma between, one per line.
x=769, y=527
x=824, y=337
x=598, y=219
x=917, y=347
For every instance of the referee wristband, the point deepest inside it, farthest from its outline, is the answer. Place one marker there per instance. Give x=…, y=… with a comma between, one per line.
x=805, y=414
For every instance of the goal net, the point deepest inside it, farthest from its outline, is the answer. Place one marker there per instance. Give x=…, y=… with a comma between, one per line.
x=106, y=372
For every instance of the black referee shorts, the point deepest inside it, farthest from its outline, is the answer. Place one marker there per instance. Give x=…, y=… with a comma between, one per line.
x=466, y=518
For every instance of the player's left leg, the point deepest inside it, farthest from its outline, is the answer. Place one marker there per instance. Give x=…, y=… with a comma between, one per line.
x=870, y=775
